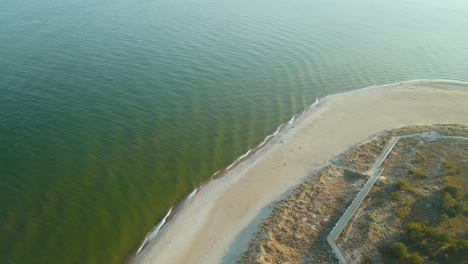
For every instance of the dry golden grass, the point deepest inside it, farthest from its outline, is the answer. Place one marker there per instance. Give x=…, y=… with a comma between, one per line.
x=447, y=129
x=296, y=230
x=299, y=223
x=363, y=156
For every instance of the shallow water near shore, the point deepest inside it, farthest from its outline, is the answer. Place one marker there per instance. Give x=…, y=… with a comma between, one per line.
x=112, y=111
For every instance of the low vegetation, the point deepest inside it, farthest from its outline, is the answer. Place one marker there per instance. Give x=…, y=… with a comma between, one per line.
x=418, y=172
x=417, y=213
x=403, y=184
x=435, y=241
x=296, y=230
x=401, y=255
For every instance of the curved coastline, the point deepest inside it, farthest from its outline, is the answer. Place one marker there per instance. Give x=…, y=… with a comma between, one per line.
x=173, y=211
x=250, y=157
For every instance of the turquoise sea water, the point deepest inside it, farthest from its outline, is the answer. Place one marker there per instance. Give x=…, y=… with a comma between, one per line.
x=111, y=111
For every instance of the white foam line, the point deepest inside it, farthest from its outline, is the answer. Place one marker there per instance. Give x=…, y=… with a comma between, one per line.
x=192, y=194
x=270, y=136
x=264, y=141
x=312, y=105
x=230, y=166
x=277, y=130
x=238, y=159
x=292, y=119
x=245, y=155
x=153, y=234
x=142, y=244
x=315, y=103
x=412, y=81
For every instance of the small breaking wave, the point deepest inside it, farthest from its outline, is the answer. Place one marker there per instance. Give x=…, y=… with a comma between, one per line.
x=238, y=159
x=230, y=166
x=270, y=136
x=153, y=233
x=315, y=103
x=311, y=106
x=192, y=194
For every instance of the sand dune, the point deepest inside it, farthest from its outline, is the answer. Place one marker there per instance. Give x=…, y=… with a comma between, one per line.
x=215, y=226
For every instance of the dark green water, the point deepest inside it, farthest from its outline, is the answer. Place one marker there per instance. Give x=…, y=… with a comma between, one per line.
x=111, y=111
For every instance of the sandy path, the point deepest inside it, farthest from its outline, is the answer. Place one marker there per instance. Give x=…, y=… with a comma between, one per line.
x=216, y=225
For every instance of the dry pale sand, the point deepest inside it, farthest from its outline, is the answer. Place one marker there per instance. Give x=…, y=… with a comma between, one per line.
x=217, y=224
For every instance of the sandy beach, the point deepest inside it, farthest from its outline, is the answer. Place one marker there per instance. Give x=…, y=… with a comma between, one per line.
x=216, y=225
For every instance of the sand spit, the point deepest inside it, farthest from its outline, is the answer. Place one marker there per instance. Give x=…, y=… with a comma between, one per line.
x=216, y=225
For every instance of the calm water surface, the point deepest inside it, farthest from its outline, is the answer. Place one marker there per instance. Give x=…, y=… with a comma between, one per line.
x=111, y=111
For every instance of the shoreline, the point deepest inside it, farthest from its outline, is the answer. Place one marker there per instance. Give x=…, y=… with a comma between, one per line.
x=179, y=205
x=202, y=197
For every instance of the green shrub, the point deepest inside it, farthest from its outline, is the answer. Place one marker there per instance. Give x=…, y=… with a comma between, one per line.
x=444, y=217
x=408, y=202
x=414, y=258
x=455, y=191
x=399, y=250
x=458, y=208
x=450, y=205
x=417, y=232
x=423, y=244
x=402, y=184
x=452, y=167
x=447, y=201
x=396, y=196
x=460, y=246
x=418, y=172
x=403, y=212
